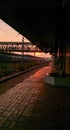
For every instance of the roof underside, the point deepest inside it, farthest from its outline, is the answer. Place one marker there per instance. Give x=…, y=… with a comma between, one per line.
x=39, y=20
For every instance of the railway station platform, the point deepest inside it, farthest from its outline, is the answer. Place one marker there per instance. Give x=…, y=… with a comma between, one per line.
x=34, y=105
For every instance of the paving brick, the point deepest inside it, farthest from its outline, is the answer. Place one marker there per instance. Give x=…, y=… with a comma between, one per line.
x=12, y=125
x=34, y=105
x=6, y=124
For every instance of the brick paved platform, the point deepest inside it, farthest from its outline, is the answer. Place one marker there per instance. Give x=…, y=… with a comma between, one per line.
x=34, y=105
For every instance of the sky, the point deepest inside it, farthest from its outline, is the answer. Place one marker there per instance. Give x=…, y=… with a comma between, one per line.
x=7, y=33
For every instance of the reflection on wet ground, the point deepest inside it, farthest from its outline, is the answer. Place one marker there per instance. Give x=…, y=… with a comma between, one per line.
x=34, y=105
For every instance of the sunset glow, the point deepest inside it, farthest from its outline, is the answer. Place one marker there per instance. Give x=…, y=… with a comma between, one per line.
x=39, y=54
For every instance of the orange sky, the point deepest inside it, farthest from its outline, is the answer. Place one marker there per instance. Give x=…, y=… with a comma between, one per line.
x=7, y=33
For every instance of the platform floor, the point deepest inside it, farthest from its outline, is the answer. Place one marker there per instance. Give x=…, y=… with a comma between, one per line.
x=34, y=105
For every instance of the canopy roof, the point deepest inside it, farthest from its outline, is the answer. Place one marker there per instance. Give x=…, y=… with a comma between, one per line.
x=43, y=22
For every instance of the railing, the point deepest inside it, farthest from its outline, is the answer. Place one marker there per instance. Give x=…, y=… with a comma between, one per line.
x=18, y=47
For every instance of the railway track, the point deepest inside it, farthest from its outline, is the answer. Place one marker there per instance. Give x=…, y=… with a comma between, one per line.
x=6, y=78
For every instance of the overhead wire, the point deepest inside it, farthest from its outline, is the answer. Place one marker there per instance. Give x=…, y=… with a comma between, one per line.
x=6, y=27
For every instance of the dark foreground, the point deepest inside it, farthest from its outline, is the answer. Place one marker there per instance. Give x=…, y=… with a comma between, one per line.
x=34, y=105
